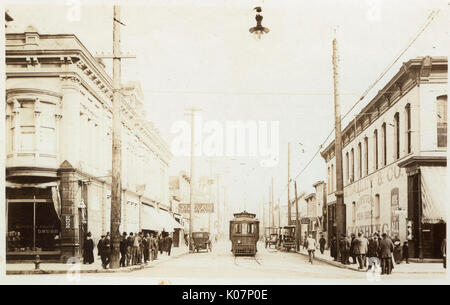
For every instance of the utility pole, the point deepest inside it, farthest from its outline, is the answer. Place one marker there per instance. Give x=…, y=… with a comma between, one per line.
x=219, y=229
x=279, y=213
x=191, y=112
x=210, y=194
x=340, y=206
x=116, y=185
x=271, y=205
x=289, y=184
x=297, y=225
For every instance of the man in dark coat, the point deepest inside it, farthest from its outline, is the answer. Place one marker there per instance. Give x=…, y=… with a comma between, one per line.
x=88, y=250
x=386, y=248
x=123, y=250
x=352, y=248
x=344, y=247
x=146, y=246
x=100, y=248
x=333, y=248
x=322, y=243
x=106, y=252
x=372, y=248
x=168, y=244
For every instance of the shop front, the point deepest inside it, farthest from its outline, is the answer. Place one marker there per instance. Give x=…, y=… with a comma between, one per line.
x=33, y=221
x=427, y=197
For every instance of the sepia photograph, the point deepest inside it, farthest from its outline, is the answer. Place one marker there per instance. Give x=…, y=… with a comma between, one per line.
x=224, y=143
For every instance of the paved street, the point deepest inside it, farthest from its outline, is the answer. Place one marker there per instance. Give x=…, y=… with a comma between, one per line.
x=270, y=267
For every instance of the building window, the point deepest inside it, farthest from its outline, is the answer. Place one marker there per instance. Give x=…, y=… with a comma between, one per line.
x=377, y=206
x=408, y=128
x=329, y=180
x=359, y=160
x=332, y=178
x=397, y=135
x=347, y=167
x=375, y=144
x=354, y=211
x=27, y=127
x=441, y=105
x=366, y=156
x=383, y=131
x=352, y=177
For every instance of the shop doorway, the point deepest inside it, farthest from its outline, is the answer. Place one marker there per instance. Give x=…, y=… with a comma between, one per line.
x=433, y=235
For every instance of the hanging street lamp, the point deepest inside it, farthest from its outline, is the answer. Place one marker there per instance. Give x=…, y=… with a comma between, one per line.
x=258, y=30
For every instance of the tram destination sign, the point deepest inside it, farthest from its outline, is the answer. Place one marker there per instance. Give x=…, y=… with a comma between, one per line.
x=199, y=208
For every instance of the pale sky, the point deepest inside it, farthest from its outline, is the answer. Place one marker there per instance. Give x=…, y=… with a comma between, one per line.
x=201, y=54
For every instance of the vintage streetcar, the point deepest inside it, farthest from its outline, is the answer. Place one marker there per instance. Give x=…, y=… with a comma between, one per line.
x=244, y=234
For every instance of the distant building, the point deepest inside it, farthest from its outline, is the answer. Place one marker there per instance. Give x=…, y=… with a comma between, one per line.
x=394, y=160
x=179, y=187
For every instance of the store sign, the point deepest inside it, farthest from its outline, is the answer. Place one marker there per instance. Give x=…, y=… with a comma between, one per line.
x=199, y=208
x=68, y=222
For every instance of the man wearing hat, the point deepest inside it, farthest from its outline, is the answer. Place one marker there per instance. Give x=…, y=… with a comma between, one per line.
x=123, y=250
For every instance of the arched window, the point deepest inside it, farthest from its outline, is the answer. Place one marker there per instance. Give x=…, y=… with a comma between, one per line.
x=397, y=135
x=383, y=133
x=377, y=206
x=360, y=164
x=375, y=145
x=441, y=106
x=347, y=167
x=332, y=178
x=354, y=211
x=408, y=127
x=329, y=180
x=352, y=176
x=366, y=156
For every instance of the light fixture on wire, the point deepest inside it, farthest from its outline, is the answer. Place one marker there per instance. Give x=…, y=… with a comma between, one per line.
x=258, y=30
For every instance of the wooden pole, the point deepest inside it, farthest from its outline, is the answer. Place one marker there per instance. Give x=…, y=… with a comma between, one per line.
x=289, y=184
x=297, y=225
x=116, y=186
x=271, y=204
x=340, y=206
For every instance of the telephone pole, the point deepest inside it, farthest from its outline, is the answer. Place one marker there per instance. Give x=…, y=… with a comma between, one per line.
x=340, y=206
x=297, y=225
x=191, y=112
x=289, y=184
x=116, y=182
x=219, y=229
x=271, y=205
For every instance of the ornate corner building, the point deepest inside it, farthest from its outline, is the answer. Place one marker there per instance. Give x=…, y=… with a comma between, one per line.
x=58, y=150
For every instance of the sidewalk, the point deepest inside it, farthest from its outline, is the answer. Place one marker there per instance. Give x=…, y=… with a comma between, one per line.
x=403, y=268
x=96, y=267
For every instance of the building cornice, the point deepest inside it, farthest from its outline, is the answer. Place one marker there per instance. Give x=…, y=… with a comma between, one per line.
x=412, y=73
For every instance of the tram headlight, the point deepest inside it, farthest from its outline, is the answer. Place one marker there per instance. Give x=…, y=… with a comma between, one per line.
x=239, y=241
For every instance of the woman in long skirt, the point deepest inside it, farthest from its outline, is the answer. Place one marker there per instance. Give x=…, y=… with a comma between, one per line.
x=88, y=251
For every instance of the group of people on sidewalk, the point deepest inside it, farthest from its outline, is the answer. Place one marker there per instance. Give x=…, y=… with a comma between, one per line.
x=135, y=248
x=377, y=249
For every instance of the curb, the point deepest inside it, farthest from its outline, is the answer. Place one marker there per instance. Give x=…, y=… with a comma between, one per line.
x=333, y=263
x=339, y=265
x=123, y=269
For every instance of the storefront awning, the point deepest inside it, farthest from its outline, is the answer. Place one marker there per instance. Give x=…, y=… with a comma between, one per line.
x=150, y=219
x=169, y=223
x=434, y=193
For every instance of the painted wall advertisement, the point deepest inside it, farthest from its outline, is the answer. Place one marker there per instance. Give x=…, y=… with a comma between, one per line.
x=373, y=203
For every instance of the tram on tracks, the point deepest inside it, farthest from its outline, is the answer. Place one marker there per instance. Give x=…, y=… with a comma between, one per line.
x=244, y=234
